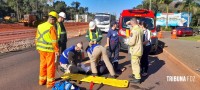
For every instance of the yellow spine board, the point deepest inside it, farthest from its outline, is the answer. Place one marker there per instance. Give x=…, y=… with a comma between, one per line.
x=97, y=80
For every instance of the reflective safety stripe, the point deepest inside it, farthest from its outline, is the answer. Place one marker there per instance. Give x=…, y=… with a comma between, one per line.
x=44, y=42
x=91, y=36
x=115, y=61
x=64, y=55
x=42, y=77
x=41, y=35
x=62, y=32
x=58, y=30
x=43, y=47
x=50, y=79
x=54, y=41
x=94, y=39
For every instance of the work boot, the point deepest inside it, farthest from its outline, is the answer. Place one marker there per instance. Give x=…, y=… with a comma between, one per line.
x=114, y=76
x=94, y=74
x=132, y=76
x=135, y=81
x=42, y=83
x=115, y=66
x=49, y=86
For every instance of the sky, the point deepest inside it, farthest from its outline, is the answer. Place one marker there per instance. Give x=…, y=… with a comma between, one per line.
x=110, y=6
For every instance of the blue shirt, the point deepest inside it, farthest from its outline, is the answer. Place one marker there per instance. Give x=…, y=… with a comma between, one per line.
x=113, y=35
x=64, y=55
x=91, y=49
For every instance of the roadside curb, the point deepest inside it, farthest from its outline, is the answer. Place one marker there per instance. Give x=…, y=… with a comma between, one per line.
x=184, y=65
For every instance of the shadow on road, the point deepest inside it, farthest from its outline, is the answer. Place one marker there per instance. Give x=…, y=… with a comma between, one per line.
x=124, y=51
x=154, y=65
x=161, y=45
x=121, y=57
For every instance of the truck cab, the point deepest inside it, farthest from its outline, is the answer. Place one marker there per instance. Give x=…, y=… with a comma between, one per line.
x=141, y=15
x=103, y=21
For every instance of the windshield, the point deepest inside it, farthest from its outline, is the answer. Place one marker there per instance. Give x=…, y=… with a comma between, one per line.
x=148, y=21
x=102, y=18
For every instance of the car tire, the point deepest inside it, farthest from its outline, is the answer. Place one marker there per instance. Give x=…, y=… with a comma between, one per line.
x=183, y=35
x=195, y=33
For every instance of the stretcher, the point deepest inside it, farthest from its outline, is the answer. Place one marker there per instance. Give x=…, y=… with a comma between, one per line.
x=96, y=79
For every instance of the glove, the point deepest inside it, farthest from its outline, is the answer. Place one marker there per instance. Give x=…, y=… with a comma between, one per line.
x=126, y=41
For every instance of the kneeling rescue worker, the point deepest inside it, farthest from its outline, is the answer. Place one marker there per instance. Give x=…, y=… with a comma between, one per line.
x=94, y=52
x=69, y=59
x=47, y=46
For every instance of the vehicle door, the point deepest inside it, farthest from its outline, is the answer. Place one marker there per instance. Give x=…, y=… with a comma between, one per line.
x=190, y=30
x=186, y=31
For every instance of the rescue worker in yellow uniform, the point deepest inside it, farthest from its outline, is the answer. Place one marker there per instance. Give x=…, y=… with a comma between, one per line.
x=135, y=49
x=94, y=34
x=61, y=32
x=47, y=46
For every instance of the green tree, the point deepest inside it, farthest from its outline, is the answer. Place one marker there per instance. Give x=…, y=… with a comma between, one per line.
x=86, y=9
x=75, y=5
x=81, y=10
x=167, y=2
x=190, y=6
x=60, y=6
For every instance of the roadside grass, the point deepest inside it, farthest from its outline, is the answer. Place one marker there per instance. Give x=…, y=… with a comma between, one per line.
x=191, y=38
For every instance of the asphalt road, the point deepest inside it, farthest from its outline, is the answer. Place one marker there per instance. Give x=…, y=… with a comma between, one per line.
x=19, y=71
x=186, y=51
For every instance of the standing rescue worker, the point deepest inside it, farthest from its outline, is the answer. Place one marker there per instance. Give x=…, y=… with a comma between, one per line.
x=146, y=49
x=94, y=52
x=46, y=44
x=94, y=34
x=113, y=45
x=136, y=49
x=61, y=32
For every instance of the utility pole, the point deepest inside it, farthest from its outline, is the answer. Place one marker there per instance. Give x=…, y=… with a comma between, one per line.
x=188, y=24
x=17, y=10
x=149, y=4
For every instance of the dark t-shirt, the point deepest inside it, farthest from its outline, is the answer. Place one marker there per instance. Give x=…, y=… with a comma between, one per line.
x=113, y=35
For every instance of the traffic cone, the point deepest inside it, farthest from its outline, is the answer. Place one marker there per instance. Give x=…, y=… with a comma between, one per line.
x=173, y=35
x=160, y=35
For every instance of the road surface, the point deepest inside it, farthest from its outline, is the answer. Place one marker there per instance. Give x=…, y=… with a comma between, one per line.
x=19, y=71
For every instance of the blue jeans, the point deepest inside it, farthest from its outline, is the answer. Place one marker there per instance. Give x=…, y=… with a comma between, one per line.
x=113, y=51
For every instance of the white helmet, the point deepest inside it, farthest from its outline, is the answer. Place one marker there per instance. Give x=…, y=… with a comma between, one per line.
x=92, y=25
x=62, y=14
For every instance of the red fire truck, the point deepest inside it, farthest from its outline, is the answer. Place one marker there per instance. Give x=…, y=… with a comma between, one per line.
x=141, y=15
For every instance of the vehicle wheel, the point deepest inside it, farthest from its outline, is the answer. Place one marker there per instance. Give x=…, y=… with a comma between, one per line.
x=183, y=35
x=120, y=49
x=195, y=33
